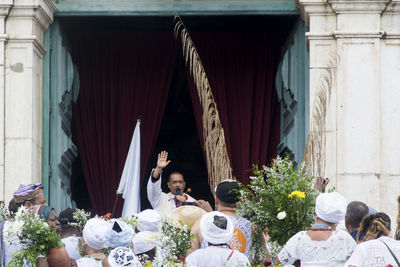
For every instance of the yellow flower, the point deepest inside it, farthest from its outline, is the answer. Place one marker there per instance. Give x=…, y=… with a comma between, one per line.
x=297, y=194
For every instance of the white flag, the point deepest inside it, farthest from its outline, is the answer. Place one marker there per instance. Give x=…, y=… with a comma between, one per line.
x=129, y=186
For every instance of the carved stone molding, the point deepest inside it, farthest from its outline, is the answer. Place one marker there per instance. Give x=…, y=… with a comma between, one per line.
x=358, y=6
x=29, y=20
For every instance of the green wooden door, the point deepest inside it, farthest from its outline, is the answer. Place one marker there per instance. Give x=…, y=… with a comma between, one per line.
x=292, y=85
x=60, y=89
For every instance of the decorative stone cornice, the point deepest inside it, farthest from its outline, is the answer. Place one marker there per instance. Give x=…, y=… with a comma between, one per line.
x=41, y=10
x=313, y=7
x=358, y=6
x=343, y=34
x=30, y=40
x=5, y=6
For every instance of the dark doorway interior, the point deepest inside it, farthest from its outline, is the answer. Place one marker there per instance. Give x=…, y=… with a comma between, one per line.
x=178, y=135
x=178, y=132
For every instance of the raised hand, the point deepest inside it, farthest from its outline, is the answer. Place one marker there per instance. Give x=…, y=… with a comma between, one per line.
x=162, y=160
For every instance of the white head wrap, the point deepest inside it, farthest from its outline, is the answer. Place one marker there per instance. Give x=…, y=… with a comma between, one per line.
x=123, y=257
x=148, y=220
x=211, y=232
x=123, y=238
x=94, y=233
x=330, y=207
x=142, y=242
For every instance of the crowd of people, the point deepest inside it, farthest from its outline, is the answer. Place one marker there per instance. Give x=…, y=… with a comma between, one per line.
x=344, y=234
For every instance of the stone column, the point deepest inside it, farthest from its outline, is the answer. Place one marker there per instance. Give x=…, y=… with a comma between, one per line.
x=25, y=26
x=5, y=6
x=355, y=59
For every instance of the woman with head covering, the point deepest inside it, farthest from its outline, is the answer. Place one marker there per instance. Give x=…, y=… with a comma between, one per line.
x=93, y=243
x=49, y=214
x=122, y=257
x=217, y=230
x=143, y=246
x=379, y=249
x=322, y=245
x=119, y=234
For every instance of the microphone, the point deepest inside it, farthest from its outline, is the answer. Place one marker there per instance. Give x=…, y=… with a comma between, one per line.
x=178, y=193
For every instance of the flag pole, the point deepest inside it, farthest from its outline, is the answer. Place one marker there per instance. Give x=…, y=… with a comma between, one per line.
x=115, y=205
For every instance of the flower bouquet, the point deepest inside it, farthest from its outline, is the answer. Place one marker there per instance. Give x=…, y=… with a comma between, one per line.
x=177, y=238
x=280, y=200
x=81, y=217
x=34, y=236
x=3, y=212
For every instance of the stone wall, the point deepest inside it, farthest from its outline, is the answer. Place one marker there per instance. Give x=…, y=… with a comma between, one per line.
x=355, y=59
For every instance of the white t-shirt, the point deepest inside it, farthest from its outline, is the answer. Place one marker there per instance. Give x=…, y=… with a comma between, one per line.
x=374, y=253
x=72, y=246
x=216, y=257
x=332, y=252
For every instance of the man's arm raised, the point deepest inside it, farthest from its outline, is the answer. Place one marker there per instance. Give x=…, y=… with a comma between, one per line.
x=154, y=191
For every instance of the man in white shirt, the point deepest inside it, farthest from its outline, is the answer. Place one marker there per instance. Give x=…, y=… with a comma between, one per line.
x=164, y=203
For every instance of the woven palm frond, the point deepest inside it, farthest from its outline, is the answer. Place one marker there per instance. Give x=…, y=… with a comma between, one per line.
x=217, y=159
x=315, y=150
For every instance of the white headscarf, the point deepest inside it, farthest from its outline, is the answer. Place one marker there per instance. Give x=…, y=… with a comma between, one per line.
x=330, y=207
x=211, y=232
x=122, y=238
x=94, y=233
x=148, y=220
x=123, y=257
x=142, y=242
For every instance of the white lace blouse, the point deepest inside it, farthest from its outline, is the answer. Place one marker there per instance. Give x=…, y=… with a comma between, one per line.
x=328, y=253
x=375, y=254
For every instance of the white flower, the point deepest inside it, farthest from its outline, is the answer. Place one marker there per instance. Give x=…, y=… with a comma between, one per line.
x=281, y=215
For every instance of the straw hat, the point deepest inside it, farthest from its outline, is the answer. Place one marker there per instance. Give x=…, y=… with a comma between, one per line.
x=186, y=214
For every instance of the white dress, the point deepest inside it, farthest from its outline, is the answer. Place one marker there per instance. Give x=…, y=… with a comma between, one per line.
x=160, y=201
x=332, y=252
x=375, y=254
x=216, y=257
x=72, y=246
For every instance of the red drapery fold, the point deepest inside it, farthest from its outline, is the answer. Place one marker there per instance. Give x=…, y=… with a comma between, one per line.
x=123, y=76
x=241, y=68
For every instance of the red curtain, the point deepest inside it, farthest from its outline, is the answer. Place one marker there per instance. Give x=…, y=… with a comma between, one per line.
x=123, y=76
x=241, y=68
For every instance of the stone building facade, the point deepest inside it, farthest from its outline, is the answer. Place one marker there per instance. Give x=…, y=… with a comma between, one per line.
x=354, y=89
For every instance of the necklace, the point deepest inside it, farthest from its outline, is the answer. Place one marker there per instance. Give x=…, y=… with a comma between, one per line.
x=321, y=227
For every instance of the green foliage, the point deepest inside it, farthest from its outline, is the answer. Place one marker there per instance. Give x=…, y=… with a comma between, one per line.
x=35, y=236
x=279, y=189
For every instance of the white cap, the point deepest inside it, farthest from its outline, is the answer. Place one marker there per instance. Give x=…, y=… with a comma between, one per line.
x=94, y=233
x=214, y=233
x=148, y=220
x=330, y=207
x=123, y=257
x=142, y=242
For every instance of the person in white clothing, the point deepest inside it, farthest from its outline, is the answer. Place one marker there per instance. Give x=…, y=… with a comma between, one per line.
x=380, y=250
x=226, y=196
x=323, y=245
x=164, y=203
x=70, y=234
x=216, y=229
x=93, y=243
